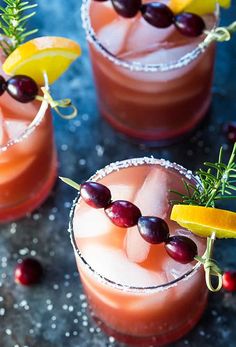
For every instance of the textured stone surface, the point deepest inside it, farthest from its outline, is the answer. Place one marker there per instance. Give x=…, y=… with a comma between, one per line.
x=54, y=312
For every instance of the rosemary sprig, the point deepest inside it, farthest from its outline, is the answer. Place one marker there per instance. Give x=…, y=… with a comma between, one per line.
x=13, y=22
x=217, y=182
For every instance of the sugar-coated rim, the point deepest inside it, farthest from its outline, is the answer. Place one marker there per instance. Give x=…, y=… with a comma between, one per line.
x=135, y=65
x=32, y=126
x=106, y=171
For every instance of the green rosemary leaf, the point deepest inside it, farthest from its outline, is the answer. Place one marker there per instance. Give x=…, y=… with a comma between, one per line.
x=13, y=23
x=217, y=182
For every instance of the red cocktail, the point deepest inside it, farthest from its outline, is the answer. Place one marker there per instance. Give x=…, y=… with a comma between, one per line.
x=28, y=163
x=152, y=84
x=140, y=294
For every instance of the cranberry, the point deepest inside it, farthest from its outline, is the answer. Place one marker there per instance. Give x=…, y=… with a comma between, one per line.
x=22, y=88
x=123, y=213
x=181, y=248
x=229, y=281
x=189, y=24
x=28, y=272
x=3, y=85
x=157, y=14
x=230, y=131
x=153, y=229
x=95, y=194
x=127, y=8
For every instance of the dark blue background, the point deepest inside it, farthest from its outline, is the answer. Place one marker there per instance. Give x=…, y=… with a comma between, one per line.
x=53, y=314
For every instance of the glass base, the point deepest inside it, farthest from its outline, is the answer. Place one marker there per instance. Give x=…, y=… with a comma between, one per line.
x=157, y=138
x=151, y=341
x=14, y=213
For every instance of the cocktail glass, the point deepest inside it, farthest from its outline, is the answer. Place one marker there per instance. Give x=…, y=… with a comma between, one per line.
x=28, y=164
x=152, y=84
x=138, y=293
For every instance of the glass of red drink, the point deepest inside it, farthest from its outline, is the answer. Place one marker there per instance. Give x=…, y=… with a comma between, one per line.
x=139, y=294
x=28, y=164
x=152, y=84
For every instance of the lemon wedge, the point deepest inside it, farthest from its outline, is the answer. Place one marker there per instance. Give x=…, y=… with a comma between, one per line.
x=199, y=7
x=47, y=54
x=203, y=221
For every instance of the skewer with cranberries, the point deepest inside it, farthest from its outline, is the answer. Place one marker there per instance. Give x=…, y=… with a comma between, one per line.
x=161, y=16
x=125, y=214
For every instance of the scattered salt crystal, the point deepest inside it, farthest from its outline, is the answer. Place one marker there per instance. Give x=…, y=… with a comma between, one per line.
x=2, y=311
x=111, y=339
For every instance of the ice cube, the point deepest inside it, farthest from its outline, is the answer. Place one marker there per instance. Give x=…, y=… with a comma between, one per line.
x=114, y=35
x=113, y=264
x=102, y=14
x=143, y=37
x=15, y=128
x=152, y=201
x=174, y=269
x=90, y=222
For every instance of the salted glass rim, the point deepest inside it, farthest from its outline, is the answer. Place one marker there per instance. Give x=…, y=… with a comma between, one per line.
x=135, y=65
x=32, y=126
x=116, y=166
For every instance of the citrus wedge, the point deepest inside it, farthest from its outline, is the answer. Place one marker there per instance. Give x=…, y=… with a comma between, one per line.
x=199, y=7
x=203, y=221
x=50, y=55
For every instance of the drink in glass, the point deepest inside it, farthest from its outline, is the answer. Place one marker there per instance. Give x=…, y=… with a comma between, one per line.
x=152, y=84
x=140, y=294
x=28, y=163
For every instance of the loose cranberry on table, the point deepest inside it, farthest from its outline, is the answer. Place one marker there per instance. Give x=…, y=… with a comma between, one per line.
x=229, y=281
x=230, y=131
x=28, y=272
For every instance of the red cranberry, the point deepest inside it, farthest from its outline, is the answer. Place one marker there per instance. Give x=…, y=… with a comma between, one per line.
x=230, y=131
x=123, y=213
x=181, y=248
x=229, y=281
x=22, y=88
x=189, y=24
x=28, y=272
x=127, y=8
x=153, y=229
x=157, y=14
x=3, y=85
x=95, y=194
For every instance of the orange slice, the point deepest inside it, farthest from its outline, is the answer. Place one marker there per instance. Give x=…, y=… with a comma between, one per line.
x=197, y=6
x=50, y=55
x=203, y=221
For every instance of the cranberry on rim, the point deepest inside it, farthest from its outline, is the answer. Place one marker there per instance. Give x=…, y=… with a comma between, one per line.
x=123, y=213
x=181, y=249
x=95, y=194
x=153, y=229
